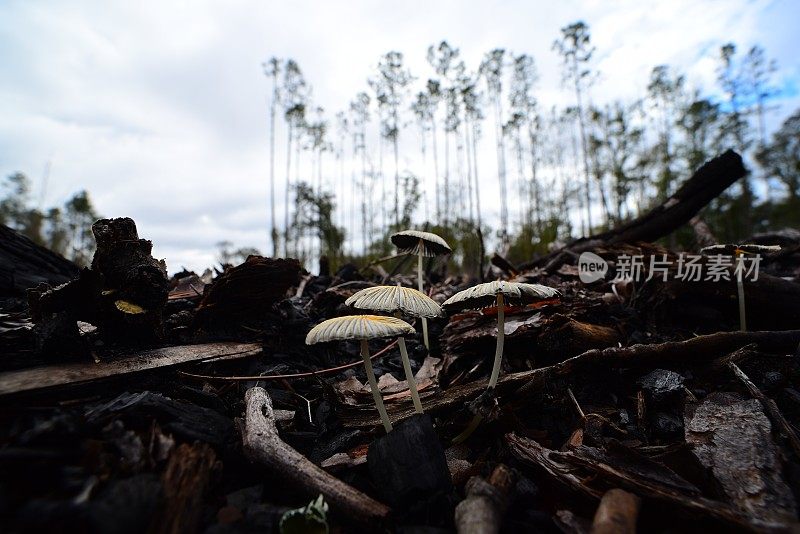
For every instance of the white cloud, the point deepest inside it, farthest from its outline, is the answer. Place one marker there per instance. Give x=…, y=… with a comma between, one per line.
x=159, y=109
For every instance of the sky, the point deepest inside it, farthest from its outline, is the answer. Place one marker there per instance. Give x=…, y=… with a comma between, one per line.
x=160, y=109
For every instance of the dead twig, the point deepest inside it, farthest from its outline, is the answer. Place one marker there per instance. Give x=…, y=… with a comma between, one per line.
x=262, y=444
x=308, y=374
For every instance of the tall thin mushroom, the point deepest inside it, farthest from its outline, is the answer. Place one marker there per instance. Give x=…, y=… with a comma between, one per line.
x=498, y=294
x=363, y=328
x=738, y=251
x=423, y=244
x=396, y=300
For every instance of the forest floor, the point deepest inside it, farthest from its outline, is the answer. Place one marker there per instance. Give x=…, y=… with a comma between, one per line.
x=132, y=403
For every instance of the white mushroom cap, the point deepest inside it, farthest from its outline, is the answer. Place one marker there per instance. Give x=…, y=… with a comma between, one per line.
x=408, y=241
x=391, y=299
x=484, y=295
x=358, y=327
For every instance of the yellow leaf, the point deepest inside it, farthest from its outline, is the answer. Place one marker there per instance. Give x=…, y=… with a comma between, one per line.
x=129, y=307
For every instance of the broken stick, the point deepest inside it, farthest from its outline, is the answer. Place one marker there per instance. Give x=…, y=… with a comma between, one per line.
x=481, y=512
x=262, y=444
x=77, y=374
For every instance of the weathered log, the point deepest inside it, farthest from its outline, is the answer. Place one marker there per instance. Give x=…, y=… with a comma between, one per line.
x=24, y=264
x=482, y=510
x=262, y=444
x=732, y=439
x=707, y=183
x=52, y=377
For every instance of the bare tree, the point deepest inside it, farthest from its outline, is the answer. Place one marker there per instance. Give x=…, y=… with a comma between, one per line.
x=492, y=70
x=295, y=96
x=390, y=91
x=272, y=70
x=576, y=51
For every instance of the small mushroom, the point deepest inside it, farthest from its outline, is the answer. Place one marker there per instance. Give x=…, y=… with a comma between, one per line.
x=363, y=328
x=737, y=251
x=423, y=244
x=396, y=300
x=498, y=294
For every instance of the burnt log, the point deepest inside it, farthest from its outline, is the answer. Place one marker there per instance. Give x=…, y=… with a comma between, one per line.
x=123, y=293
x=126, y=265
x=24, y=264
x=247, y=291
x=707, y=183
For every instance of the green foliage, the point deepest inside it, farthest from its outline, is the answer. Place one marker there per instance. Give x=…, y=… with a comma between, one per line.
x=309, y=519
x=227, y=255
x=781, y=161
x=314, y=215
x=66, y=231
x=621, y=156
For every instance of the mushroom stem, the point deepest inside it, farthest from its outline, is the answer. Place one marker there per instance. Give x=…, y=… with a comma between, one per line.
x=501, y=336
x=412, y=384
x=373, y=385
x=740, y=290
x=467, y=432
x=419, y=285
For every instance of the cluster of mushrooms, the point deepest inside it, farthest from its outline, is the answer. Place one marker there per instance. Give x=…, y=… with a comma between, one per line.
x=414, y=303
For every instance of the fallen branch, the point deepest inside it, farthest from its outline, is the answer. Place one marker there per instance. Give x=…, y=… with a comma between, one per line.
x=262, y=444
x=699, y=350
x=707, y=183
x=23, y=264
x=481, y=512
x=41, y=379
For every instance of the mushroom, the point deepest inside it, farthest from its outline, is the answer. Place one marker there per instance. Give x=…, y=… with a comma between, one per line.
x=363, y=328
x=498, y=294
x=396, y=300
x=422, y=244
x=737, y=251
